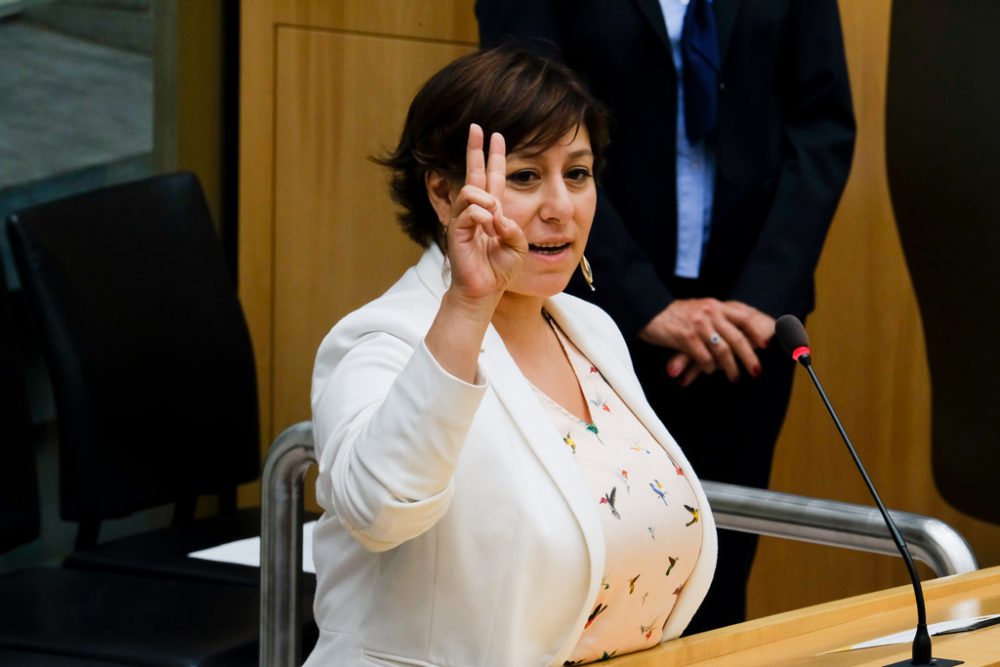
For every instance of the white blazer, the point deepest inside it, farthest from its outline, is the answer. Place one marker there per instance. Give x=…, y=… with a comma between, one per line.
x=458, y=532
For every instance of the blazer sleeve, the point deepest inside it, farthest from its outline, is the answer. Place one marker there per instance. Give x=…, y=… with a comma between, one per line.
x=819, y=129
x=389, y=425
x=628, y=285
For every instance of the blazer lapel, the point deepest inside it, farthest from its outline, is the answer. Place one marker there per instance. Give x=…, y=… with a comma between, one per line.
x=622, y=380
x=725, y=21
x=650, y=9
x=514, y=391
x=518, y=398
x=617, y=375
x=429, y=271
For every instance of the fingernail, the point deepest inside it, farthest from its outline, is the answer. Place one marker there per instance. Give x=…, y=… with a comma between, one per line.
x=756, y=371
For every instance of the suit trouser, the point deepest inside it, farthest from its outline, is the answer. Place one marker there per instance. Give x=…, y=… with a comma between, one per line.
x=728, y=432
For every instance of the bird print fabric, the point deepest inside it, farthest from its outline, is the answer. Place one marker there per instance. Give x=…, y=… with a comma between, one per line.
x=646, y=507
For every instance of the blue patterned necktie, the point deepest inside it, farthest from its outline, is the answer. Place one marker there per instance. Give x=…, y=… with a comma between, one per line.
x=700, y=62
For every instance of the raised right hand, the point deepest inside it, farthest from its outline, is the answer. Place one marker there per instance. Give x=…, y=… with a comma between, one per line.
x=485, y=248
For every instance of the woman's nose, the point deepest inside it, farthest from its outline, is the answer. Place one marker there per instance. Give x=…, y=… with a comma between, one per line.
x=557, y=205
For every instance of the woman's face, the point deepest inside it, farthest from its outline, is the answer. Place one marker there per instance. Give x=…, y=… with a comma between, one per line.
x=551, y=194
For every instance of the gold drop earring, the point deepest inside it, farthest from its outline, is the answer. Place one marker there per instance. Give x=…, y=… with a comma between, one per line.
x=588, y=273
x=445, y=265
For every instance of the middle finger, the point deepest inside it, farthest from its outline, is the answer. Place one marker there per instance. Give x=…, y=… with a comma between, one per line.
x=496, y=166
x=741, y=346
x=717, y=343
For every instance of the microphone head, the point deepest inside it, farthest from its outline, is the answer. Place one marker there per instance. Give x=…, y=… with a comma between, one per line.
x=792, y=336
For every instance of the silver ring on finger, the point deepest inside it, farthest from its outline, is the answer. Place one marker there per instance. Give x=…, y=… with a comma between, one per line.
x=714, y=339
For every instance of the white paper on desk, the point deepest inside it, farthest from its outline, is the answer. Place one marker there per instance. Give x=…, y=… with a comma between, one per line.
x=247, y=552
x=906, y=636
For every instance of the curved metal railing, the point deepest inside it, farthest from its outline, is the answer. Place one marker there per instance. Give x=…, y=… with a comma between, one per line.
x=740, y=508
x=838, y=524
x=289, y=458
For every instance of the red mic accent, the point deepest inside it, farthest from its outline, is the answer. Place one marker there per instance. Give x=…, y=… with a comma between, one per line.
x=799, y=351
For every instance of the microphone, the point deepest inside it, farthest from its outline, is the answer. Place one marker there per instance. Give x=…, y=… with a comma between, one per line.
x=793, y=339
x=792, y=336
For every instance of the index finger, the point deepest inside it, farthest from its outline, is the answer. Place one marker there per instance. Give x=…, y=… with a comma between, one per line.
x=496, y=167
x=475, y=167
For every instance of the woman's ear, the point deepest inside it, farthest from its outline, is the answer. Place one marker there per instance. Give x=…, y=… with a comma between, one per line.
x=439, y=192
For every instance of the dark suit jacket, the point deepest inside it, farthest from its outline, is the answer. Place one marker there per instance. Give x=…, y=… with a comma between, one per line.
x=783, y=142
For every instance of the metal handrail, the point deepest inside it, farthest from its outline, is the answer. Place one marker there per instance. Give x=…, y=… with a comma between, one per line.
x=739, y=508
x=838, y=524
x=289, y=458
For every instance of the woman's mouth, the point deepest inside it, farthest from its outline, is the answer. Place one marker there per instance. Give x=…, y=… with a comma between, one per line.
x=548, y=248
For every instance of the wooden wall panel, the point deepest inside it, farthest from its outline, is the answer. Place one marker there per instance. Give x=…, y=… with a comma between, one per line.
x=869, y=352
x=256, y=196
x=323, y=85
x=341, y=97
x=438, y=20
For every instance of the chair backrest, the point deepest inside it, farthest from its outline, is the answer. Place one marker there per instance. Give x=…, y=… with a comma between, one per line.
x=19, y=520
x=149, y=353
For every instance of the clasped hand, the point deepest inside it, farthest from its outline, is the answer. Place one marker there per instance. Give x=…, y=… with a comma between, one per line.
x=710, y=335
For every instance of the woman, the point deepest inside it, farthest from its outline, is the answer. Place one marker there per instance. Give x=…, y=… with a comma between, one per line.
x=497, y=490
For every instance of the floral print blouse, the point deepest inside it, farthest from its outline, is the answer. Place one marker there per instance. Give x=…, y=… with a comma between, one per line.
x=648, y=511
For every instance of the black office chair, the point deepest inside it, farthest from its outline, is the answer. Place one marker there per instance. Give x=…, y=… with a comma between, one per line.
x=152, y=371
x=124, y=618
x=22, y=659
x=54, y=617
x=19, y=521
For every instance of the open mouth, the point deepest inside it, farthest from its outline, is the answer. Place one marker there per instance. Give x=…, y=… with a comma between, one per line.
x=548, y=248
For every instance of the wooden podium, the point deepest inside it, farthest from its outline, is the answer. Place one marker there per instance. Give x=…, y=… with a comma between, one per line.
x=803, y=637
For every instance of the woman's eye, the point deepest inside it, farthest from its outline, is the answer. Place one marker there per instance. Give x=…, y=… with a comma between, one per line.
x=578, y=174
x=522, y=177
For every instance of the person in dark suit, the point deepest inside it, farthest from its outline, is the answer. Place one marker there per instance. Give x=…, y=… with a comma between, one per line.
x=701, y=239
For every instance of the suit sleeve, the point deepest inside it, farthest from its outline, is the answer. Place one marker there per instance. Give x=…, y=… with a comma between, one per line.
x=628, y=286
x=819, y=130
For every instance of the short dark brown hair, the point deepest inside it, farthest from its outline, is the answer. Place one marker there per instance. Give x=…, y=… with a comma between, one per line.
x=528, y=99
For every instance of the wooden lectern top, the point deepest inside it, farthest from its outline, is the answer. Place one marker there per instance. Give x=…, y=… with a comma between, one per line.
x=802, y=637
